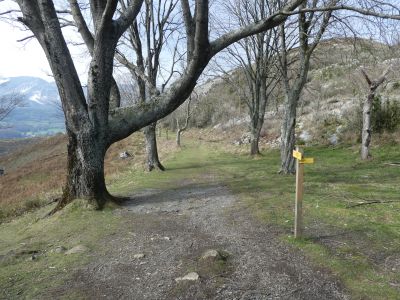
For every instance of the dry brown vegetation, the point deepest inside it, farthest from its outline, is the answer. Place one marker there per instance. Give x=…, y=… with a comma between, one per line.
x=35, y=174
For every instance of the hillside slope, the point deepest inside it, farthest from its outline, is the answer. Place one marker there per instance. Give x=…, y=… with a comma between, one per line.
x=39, y=113
x=331, y=100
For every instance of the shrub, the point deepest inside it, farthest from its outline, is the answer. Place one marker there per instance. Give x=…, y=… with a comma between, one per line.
x=385, y=115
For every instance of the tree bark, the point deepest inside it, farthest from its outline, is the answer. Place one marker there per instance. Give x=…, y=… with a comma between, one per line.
x=178, y=137
x=288, y=138
x=152, y=160
x=367, y=108
x=85, y=171
x=366, y=130
x=254, y=143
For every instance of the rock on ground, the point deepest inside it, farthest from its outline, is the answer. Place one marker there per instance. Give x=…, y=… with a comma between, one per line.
x=77, y=249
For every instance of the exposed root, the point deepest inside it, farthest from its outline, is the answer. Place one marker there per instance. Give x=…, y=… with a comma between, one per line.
x=98, y=202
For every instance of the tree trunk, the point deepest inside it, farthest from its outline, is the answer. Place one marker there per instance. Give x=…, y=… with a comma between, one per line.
x=152, y=160
x=366, y=126
x=178, y=137
x=366, y=129
x=85, y=171
x=254, y=150
x=288, y=138
x=254, y=141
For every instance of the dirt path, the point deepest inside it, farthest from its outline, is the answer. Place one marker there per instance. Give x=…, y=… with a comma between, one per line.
x=173, y=228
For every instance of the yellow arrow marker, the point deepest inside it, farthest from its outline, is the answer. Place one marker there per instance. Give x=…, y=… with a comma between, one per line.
x=297, y=154
x=308, y=160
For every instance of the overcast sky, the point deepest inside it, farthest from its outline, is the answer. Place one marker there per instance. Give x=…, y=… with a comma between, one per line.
x=27, y=58
x=21, y=58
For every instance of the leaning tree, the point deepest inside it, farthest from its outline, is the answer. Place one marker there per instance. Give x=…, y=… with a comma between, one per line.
x=92, y=125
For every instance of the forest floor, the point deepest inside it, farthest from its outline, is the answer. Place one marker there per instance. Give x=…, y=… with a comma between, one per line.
x=223, y=200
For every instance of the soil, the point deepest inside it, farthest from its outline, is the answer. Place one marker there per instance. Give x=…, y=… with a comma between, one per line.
x=173, y=228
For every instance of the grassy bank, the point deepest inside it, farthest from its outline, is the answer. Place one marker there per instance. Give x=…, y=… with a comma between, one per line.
x=351, y=207
x=357, y=241
x=30, y=263
x=351, y=212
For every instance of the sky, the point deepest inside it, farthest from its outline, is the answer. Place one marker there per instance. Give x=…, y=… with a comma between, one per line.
x=27, y=58
x=21, y=58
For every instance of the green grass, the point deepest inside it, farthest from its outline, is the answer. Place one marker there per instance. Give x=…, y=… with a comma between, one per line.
x=360, y=245
x=357, y=244
x=22, y=278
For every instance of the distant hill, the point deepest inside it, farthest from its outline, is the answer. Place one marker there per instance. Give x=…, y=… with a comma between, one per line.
x=39, y=115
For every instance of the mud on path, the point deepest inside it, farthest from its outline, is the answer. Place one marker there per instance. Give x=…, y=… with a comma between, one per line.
x=173, y=228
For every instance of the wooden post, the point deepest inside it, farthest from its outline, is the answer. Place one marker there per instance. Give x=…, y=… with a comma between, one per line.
x=298, y=222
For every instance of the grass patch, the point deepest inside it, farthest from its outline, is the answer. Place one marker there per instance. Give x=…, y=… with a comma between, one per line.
x=361, y=245
x=22, y=277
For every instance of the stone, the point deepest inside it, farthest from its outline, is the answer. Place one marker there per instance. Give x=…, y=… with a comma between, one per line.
x=333, y=139
x=139, y=256
x=34, y=256
x=213, y=254
x=60, y=249
x=246, y=138
x=2, y=172
x=77, y=249
x=192, y=276
x=124, y=155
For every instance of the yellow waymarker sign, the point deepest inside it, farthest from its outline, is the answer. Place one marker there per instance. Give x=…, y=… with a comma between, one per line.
x=297, y=154
x=308, y=160
x=298, y=209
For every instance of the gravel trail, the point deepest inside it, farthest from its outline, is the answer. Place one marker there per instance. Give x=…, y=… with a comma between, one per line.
x=173, y=228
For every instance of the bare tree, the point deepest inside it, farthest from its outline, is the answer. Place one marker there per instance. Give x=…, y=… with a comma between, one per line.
x=8, y=103
x=91, y=125
x=148, y=38
x=366, y=134
x=254, y=60
x=189, y=109
x=310, y=28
